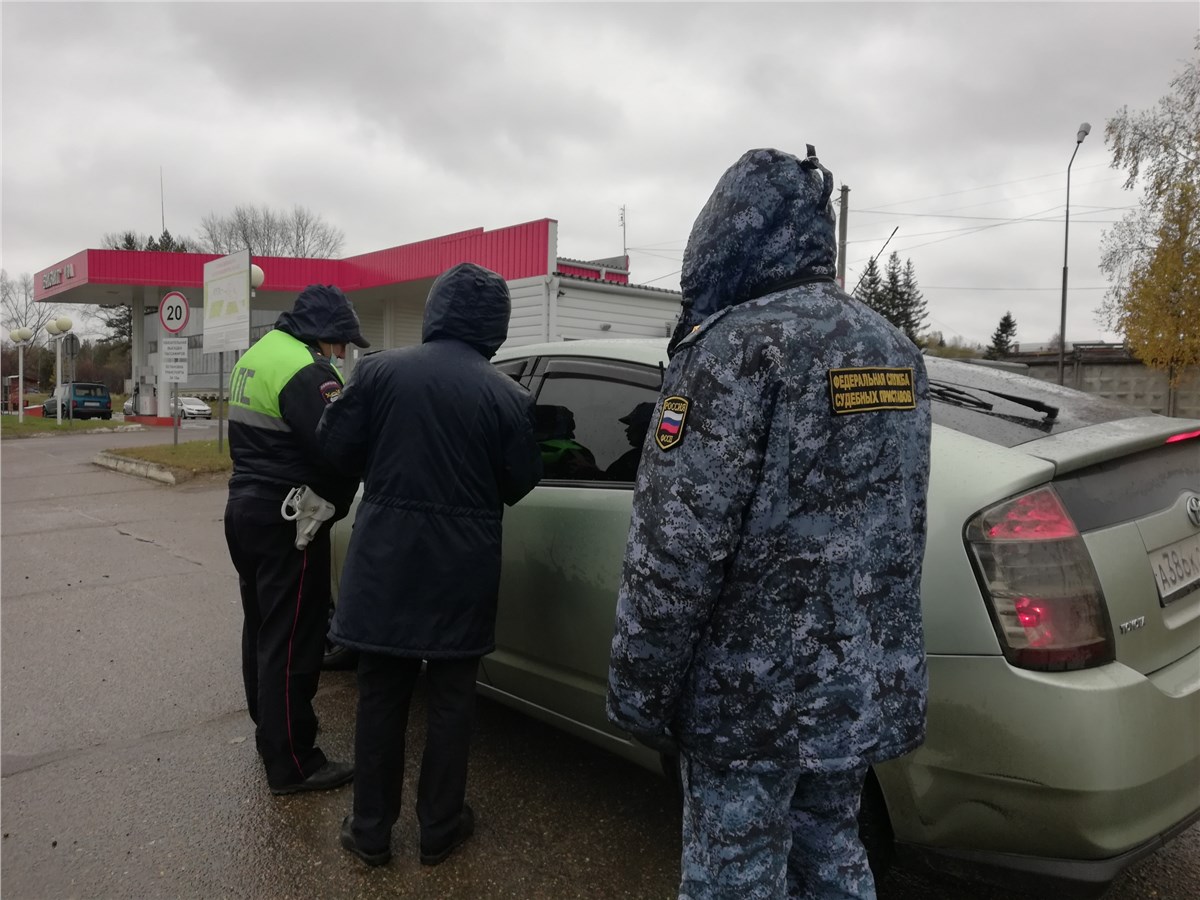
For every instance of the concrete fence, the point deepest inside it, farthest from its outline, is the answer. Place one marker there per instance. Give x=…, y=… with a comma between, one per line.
x=1109, y=371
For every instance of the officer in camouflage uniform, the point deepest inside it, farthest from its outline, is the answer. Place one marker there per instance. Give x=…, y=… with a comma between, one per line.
x=769, y=619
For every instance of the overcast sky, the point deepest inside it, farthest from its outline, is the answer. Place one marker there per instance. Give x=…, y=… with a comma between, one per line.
x=399, y=122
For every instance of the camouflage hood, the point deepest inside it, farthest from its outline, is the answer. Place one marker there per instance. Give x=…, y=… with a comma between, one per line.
x=468, y=303
x=768, y=224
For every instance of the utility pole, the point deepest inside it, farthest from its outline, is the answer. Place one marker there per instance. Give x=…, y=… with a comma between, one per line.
x=624, y=248
x=843, y=211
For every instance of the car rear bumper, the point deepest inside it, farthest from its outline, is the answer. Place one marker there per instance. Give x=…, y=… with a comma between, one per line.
x=1070, y=774
x=1063, y=878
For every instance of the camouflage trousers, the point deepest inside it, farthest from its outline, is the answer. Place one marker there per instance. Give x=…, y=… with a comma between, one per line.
x=766, y=836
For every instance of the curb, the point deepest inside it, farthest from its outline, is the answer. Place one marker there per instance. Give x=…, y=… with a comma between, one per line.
x=138, y=467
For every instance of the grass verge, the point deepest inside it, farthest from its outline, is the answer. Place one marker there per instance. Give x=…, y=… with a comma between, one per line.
x=35, y=425
x=186, y=459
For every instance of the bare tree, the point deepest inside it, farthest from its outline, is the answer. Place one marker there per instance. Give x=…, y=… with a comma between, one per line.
x=20, y=309
x=265, y=232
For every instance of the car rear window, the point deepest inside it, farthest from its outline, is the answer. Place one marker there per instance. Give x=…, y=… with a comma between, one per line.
x=1008, y=408
x=91, y=390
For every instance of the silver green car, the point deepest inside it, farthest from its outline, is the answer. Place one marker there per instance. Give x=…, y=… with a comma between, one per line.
x=1061, y=598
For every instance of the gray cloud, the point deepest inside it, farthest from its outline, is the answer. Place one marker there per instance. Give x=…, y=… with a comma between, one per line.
x=401, y=121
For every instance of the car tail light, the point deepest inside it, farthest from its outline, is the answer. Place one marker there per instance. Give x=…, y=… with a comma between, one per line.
x=74, y=404
x=1040, y=584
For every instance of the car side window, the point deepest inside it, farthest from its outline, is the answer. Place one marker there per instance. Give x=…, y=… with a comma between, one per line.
x=592, y=418
x=513, y=368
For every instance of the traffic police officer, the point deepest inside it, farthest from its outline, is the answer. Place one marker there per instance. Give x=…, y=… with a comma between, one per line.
x=277, y=393
x=769, y=621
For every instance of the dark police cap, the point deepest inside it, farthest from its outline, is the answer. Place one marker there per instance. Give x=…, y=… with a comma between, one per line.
x=639, y=414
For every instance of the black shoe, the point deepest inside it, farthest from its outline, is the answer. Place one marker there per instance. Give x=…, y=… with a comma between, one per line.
x=349, y=843
x=330, y=775
x=466, y=828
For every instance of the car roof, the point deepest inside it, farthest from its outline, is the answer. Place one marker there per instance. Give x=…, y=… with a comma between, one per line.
x=651, y=351
x=1001, y=406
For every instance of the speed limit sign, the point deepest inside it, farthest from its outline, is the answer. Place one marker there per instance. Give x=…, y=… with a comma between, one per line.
x=173, y=312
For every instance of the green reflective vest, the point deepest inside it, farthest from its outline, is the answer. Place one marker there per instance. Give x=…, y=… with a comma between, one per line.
x=262, y=372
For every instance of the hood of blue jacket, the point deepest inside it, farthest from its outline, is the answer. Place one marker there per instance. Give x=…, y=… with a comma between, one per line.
x=468, y=303
x=322, y=313
x=769, y=221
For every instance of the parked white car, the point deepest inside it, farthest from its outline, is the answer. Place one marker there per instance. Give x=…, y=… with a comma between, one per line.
x=192, y=408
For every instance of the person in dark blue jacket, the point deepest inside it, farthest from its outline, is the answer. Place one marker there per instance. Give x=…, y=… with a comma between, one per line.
x=443, y=441
x=769, y=619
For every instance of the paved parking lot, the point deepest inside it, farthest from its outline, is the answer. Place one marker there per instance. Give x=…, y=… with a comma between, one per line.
x=128, y=759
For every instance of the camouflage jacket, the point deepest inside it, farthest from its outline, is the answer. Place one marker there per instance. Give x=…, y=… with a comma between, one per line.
x=769, y=613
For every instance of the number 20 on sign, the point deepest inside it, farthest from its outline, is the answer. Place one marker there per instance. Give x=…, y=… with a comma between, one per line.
x=174, y=312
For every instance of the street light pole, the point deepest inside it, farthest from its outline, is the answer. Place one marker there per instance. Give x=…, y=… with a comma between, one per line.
x=1084, y=130
x=59, y=328
x=21, y=337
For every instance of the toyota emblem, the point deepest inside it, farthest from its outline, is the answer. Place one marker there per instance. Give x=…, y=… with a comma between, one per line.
x=1193, y=509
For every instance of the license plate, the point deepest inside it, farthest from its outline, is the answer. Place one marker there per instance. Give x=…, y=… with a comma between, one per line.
x=1176, y=568
x=91, y=402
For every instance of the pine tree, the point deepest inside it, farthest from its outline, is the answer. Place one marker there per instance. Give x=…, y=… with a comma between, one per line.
x=1002, y=338
x=167, y=243
x=892, y=307
x=894, y=295
x=870, y=287
x=916, y=310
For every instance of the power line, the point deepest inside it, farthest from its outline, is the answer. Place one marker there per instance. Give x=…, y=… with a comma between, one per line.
x=982, y=228
x=970, y=229
x=992, y=218
x=986, y=186
x=657, y=255
x=939, y=287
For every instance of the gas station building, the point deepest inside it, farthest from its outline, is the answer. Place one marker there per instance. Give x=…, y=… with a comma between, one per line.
x=553, y=298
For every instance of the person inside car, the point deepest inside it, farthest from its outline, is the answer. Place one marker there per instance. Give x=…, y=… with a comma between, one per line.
x=637, y=423
x=562, y=455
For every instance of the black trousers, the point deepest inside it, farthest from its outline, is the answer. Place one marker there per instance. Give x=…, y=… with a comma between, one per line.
x=385, y=687
x=285, y=602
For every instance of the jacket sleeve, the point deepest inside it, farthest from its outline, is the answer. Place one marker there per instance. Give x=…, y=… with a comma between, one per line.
x=521, y=468
x=688, y=510
x=302, y=402
x=343, y=433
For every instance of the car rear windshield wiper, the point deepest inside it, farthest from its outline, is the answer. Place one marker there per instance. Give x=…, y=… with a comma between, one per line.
x=1050, y=411
x=941, y=391
x=951, y=394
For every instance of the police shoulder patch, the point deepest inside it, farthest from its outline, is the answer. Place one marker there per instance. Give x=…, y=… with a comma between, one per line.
x=330, y=390
x=671, y=420
x=871, y=388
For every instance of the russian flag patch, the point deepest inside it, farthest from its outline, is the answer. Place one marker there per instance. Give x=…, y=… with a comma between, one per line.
x=671, y=420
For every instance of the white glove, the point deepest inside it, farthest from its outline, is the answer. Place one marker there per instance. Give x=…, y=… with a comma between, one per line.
x=308, y=510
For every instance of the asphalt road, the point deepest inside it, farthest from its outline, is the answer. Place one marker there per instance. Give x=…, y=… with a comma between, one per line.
x=129, y=768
